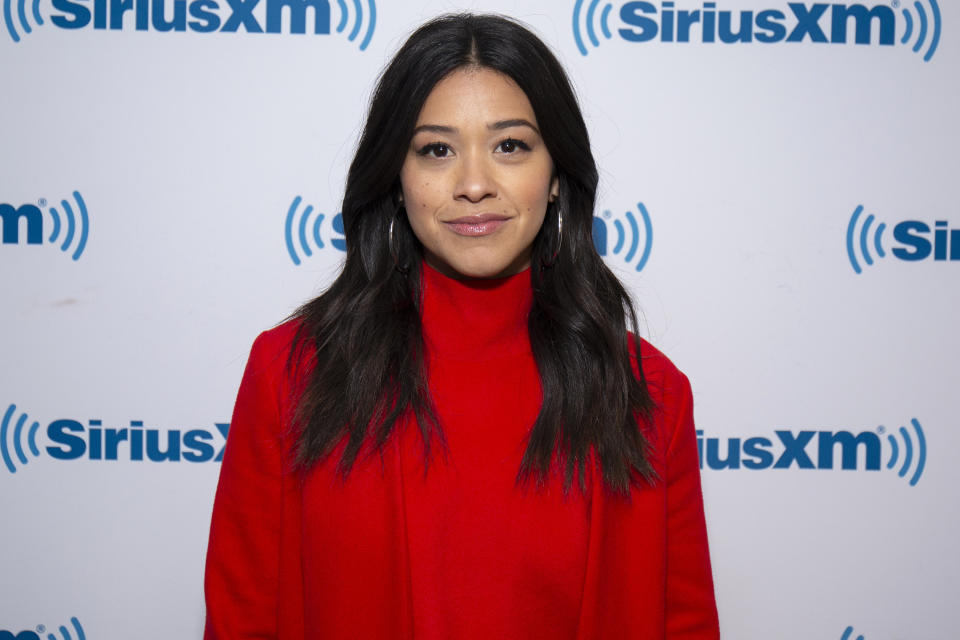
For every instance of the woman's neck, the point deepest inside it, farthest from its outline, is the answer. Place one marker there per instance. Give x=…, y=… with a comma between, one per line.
x=475, y=318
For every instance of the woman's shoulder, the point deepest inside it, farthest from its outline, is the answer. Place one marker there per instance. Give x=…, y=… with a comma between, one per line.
x=280, y=337
x=667, y=384
x=273, y=347
x=655, y=364
x=273, y=375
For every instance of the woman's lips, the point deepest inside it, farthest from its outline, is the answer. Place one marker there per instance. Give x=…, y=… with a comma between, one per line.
x=479, y=225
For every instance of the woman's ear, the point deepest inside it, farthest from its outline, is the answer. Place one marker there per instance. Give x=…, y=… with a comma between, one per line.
x=554, y=188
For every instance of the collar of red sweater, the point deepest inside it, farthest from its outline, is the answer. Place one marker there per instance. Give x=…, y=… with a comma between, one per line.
x=475, y=319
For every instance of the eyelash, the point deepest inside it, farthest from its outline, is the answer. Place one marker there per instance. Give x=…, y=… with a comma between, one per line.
x=433, y=147
x=429, y=149
x=520, y=144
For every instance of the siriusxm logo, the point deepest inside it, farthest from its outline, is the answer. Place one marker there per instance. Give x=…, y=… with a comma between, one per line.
x=297, y=224
x=793, y=449
x=913, y=237
x=41, y=629
x=818, y=22
x=77, y=226
x=72, y=440
x=627, y=244
x=200, y=16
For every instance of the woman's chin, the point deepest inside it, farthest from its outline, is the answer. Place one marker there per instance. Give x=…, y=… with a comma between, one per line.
x=480, y=267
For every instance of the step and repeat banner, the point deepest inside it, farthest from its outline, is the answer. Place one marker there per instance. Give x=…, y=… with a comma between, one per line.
x=778, y=190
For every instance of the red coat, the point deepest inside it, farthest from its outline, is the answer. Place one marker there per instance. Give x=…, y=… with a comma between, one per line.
x=457, y=552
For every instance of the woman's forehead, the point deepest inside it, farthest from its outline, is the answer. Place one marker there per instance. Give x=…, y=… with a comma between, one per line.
x=476, y=96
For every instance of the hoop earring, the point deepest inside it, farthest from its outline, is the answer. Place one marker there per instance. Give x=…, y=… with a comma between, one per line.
x=393, y=251
x=556, y=253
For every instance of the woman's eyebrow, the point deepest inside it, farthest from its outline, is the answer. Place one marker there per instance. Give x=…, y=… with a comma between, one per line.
x=434, y=128
x=515, y=122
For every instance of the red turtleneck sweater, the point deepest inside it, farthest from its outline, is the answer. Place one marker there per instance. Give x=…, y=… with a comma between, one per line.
x=458, y=552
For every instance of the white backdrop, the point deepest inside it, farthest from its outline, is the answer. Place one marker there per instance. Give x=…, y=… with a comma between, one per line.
x=187, y=150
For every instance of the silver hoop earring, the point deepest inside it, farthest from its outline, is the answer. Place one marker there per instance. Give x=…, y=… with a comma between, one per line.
x=556, y=253
x=559, y=231
x=393, y=251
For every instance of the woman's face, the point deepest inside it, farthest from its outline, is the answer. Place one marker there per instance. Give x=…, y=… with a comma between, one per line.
x=477, y=177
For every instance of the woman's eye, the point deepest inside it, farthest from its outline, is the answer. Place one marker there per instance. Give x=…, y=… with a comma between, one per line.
x=512, y=145
x=434, y=150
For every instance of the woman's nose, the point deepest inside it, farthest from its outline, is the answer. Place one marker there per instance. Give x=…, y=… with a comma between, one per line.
x=474, y=180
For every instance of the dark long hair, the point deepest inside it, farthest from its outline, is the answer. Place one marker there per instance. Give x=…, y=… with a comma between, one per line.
x=362, y=339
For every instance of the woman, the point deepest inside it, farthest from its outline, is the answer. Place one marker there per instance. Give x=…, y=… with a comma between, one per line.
x=456, y=439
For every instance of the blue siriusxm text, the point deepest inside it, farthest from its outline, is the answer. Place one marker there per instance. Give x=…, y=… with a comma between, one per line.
x=196, y=15
x=801, y=22
x=68, y=439
x=354, y=19
x=72, y=440
x=826, y=23
x=820, y=450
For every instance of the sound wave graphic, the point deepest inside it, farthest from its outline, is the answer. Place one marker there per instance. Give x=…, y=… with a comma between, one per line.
x=588, y=23
x=908, y=451
x=848, y=634
x=18, y=437
x=65, y=633
x=316, y=237
x=22, y=16
x=626, y=237
x=72, y=222
x=864, y=241
x=922, y=27
x=357, y=21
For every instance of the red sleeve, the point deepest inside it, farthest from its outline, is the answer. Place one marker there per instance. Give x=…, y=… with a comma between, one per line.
x=691, y=610
x=252, y=549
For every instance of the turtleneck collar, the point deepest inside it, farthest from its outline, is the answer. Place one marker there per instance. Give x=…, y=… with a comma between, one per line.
x=475, y=319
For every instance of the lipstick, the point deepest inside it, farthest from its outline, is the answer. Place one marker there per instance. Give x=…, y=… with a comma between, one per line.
x=479, y=225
